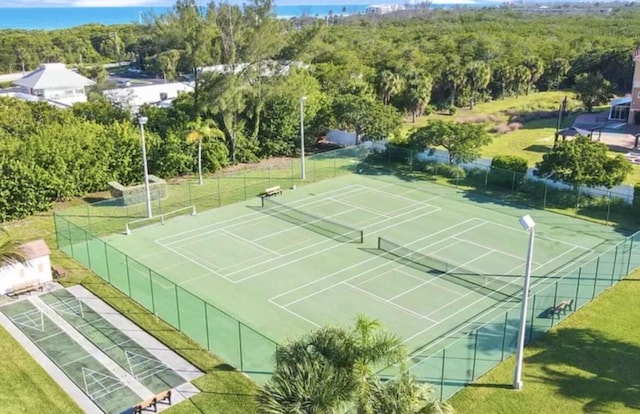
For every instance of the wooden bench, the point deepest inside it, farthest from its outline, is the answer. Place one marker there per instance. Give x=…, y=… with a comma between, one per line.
x=271, y=191
x=562, y=307
x=58, y=271
x=20, y=289
x=163, y=398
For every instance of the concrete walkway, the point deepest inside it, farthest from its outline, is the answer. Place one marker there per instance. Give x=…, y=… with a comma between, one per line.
x=173, y=361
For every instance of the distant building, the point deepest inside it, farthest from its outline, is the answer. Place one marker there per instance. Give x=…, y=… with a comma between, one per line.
x=53, y=83
x=379, y=9
x=35, y=271
x=161, y=95
x=634, y=105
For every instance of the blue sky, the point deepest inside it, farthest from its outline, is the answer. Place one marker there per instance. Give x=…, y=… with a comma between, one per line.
x=158, y=3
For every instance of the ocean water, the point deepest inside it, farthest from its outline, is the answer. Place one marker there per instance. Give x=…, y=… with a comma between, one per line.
x=47, y=18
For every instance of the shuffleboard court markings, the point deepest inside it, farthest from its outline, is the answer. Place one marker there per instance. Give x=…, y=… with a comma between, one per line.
x=71, y=307
x=98, y=385
x=32, y=319
x=143, y=366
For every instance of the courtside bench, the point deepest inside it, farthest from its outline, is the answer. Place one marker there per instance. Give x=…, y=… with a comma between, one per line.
x=20, y=288
x=152, y=403
x=562, y=307
x=272, y=191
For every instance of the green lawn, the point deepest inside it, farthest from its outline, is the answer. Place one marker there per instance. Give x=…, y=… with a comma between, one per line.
x=587, y=364
x=27, y=387
x=532, y=140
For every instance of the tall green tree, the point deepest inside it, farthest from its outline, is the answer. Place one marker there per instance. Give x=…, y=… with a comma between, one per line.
x=592, y=89
x=582, y=162
x=200, y=130
x=389, y=84
x=10, y=252
x=479, y=75
x=417, y=93
x=463, y=141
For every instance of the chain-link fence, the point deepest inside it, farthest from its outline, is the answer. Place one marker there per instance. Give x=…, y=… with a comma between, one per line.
x=450, y=364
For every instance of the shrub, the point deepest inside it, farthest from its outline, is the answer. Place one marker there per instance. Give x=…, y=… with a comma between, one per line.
x=507, y=171
x=510, y=162
x=452, y=110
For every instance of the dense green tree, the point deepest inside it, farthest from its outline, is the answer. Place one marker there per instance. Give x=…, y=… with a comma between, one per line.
x=592, y=89
x=367, y=117
x=389, y=84
x=201, y=130
x=479, y=75
x=582, y=162
x=462, y=141
x=417, y=93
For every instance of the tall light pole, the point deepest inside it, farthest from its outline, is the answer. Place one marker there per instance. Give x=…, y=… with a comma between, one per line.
x=529, y=225
x=141, y=121
x=302, y=99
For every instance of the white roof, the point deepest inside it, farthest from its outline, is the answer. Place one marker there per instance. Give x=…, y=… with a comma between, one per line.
x=620, y=101
x=136, y=96
x=53, y=76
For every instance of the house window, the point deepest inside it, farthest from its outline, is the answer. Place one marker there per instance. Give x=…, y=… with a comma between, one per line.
x=620, y=112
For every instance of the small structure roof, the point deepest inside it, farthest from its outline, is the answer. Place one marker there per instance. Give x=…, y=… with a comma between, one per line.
x=573, y=131
x=35, y=249
x=53, y=76
x=621, y=101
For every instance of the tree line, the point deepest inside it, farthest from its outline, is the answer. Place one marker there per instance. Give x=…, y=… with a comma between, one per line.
x=361, y=75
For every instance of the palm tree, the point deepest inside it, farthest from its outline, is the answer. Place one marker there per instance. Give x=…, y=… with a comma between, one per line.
x=199, y=131
x=479, y=76
x=328, y=368
x=375, y=348
x=405, y=395
x=389, y=84
x=10, y=252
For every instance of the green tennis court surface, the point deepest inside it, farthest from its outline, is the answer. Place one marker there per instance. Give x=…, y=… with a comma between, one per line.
x=445, y=262
x=109, y=367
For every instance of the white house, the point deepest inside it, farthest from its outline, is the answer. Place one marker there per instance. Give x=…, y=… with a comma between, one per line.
x=36, y=271
x=159, y=95
x=383, y=8
x=54, y=83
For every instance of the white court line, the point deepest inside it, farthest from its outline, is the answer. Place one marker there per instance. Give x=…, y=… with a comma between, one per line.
x=257, y=246
x=386, y=263
x=74, y=361
x=386, y=301
x=541, y=236
x=256, y=216
x=461, y=327
x=458, y=267
x=295, y=314
x=197, y=263
x=422, y=279
x=357, y=206
x=318, y=252
x=513, y=256
x=399, y=196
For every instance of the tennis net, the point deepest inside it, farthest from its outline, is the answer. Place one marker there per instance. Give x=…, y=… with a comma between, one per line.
x=487, y=285
x=336, y=231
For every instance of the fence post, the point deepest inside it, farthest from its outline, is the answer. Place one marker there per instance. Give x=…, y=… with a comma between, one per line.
x=555, y=300
x=533, y=307
x=513, y=181
x=613, y=268
x=240, y=346
x=106, y=257
x=126, y=264
x=504, y=335
x=486, y=177
x=595, y=278
x=444, y=350
x=575, y=303
x=189, y=193
x=86, y=241
x=219, y=194
x=608, y=207
x=475, y=357
x=153, y=299
x=544, y=199
x=175, y=287
x=630, y=253
x=89, y=217
x=206, y=324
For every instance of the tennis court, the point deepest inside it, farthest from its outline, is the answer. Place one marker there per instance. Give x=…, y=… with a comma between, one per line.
x=423, y=259
x=102, y=361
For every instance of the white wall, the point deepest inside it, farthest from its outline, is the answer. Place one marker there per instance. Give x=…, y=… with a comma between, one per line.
x=623, y=192
x=37, y=270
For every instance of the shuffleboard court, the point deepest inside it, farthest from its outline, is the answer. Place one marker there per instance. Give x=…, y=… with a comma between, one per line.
x=432, y=262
